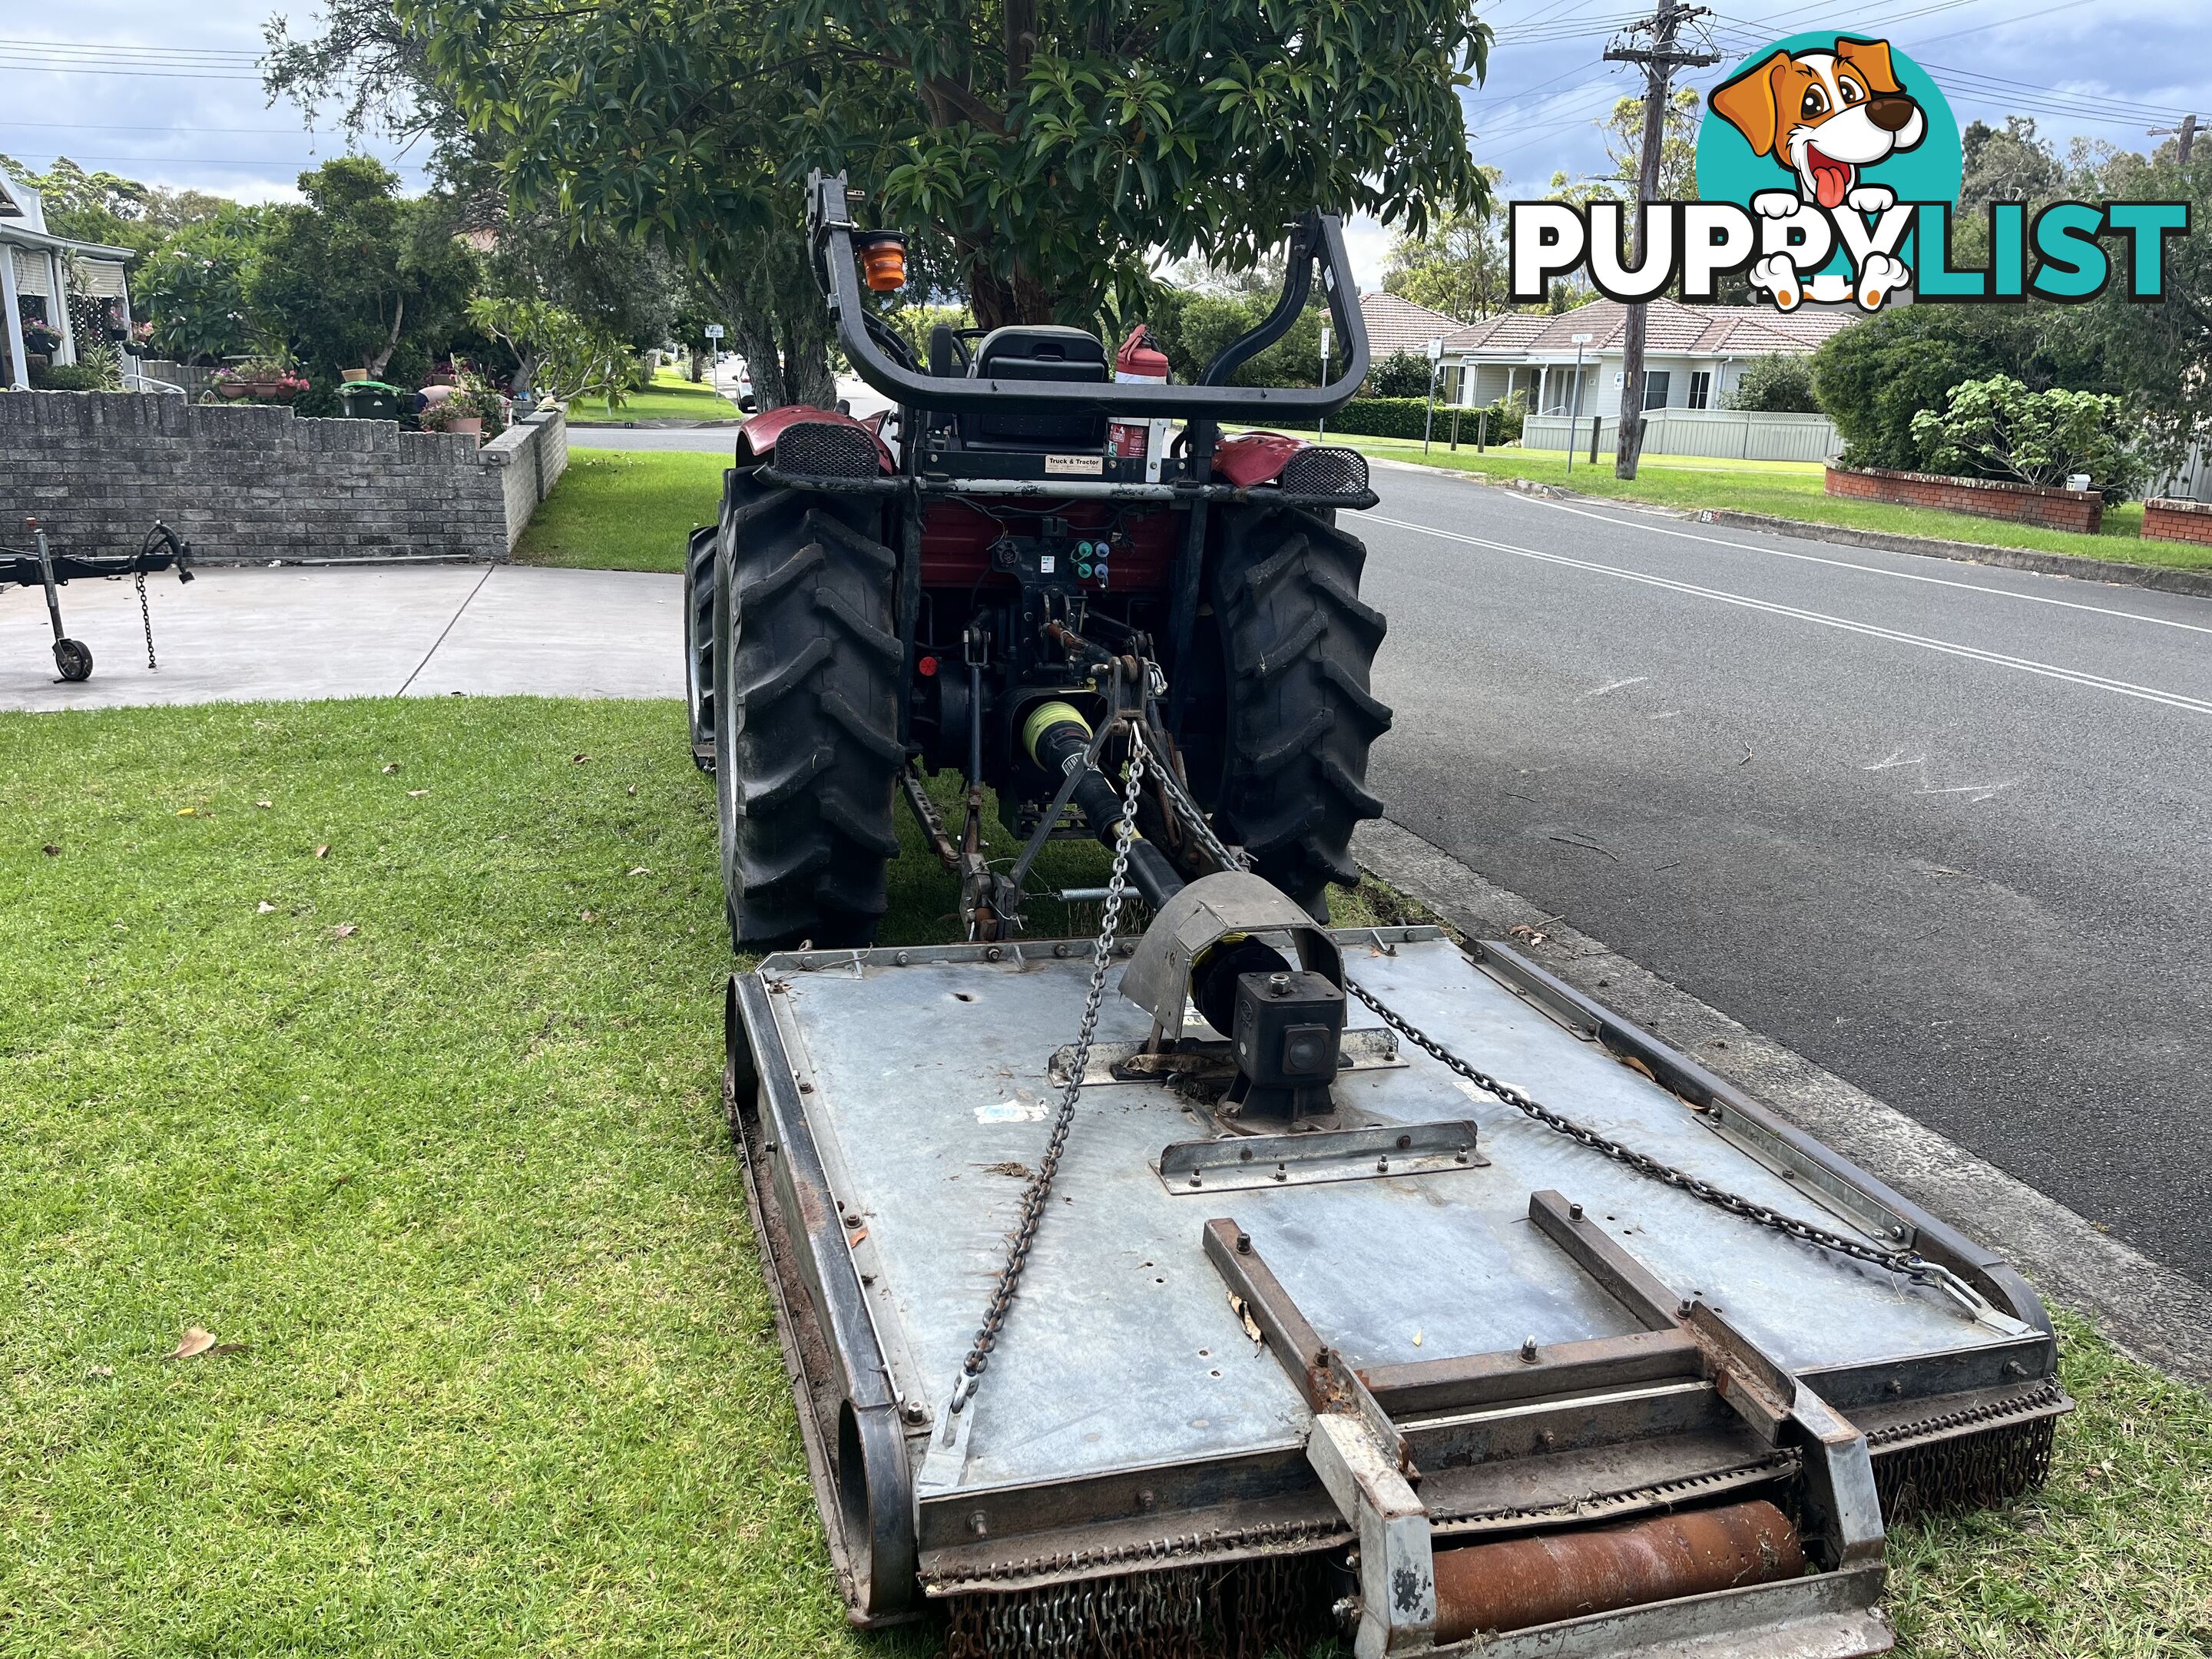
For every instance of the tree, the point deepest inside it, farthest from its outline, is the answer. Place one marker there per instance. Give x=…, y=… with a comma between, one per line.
x=355, y=277
x=1459, y=268
x=560, y=356
x=2008, y=164
x=1192, y=326
x=1056, y=146
x=194, y=288
x=1778, y=384
x=86, y=207
x=1998, y=428
x=1623, y=132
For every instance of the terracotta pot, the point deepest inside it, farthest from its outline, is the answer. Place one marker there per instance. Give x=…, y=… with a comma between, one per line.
x=352, y=373
x=470, y=426
x=231, y=388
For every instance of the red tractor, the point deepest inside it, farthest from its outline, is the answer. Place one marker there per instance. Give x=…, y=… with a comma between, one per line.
x=1005, y=574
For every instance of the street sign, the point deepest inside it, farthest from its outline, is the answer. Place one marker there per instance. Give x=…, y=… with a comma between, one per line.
x=713, y=331
x=1435, y=350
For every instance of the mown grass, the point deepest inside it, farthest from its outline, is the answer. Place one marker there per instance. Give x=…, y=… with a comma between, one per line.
x=670, y=397
x=455, y=1183
x=624, y=509
x=1792, y=490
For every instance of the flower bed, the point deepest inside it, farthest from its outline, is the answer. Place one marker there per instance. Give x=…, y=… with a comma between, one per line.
x=2082, y=511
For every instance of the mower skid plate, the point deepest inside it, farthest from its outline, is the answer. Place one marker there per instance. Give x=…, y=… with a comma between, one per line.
x=1555, y=1341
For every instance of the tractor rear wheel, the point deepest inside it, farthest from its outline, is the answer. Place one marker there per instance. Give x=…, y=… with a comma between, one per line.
x=807, y=660
x=1298, y=647
x=699, y=628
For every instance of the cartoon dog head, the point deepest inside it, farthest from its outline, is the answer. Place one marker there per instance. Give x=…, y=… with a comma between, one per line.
x=1823, y=115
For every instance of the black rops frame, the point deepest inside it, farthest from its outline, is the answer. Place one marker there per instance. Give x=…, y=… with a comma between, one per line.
x=1317, y=238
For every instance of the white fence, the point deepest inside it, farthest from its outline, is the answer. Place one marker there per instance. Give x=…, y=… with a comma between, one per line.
x=1734, y=433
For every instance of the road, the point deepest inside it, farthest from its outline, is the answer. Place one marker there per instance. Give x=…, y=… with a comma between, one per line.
x=1943, y=829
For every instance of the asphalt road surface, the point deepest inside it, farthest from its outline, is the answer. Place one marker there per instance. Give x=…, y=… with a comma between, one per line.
x=1946, y=829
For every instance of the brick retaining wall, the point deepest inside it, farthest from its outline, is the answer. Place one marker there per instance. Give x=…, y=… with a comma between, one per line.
x=246, y=484
x=2079, y=510
x=2169, y=518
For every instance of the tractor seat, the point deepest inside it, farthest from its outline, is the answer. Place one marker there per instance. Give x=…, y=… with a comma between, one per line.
x=1037, y=351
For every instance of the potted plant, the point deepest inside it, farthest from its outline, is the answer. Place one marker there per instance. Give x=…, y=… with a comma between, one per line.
x=353, y=376
x=458, y=415
x=40, y=338
x=268, y=379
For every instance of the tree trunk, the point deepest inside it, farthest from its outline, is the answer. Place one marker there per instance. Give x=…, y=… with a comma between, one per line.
x=999, y=301
x=375, y=365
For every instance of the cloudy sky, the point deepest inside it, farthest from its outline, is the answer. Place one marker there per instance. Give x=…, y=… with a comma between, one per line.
x=166, y=92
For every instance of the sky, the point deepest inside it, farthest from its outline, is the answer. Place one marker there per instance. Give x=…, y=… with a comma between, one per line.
x=167, y=94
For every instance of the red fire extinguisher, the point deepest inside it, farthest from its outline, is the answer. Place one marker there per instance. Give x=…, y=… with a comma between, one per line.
x=1140, y=362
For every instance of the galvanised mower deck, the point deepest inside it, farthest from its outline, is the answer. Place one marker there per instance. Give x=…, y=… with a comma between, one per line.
x=1519, y=1306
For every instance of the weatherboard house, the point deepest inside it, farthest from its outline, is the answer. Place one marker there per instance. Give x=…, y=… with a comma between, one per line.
x=58, y=297
x=1694, y=354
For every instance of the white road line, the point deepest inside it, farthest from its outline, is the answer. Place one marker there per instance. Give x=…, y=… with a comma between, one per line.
x=1871, y=570
x=1972, y=654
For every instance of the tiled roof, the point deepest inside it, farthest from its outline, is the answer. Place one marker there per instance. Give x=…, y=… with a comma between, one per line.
x=1396, y=325
x=1670, y=326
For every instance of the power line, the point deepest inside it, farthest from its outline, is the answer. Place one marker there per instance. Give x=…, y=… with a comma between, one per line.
x=83, y=68
x=109, y=126
x=123, y=49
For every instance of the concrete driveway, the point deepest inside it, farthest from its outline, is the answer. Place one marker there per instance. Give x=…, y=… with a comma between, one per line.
x=242, y=633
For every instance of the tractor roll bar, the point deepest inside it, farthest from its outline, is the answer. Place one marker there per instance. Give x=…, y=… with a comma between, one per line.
x=1319, y=237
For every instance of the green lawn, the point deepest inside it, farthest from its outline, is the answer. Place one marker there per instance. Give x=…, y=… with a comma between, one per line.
x=624, y=509
x=427, y=1128
x=670, y=397
x=1793, y=490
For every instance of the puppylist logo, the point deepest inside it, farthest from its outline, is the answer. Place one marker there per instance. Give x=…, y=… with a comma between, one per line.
x=1827, y=168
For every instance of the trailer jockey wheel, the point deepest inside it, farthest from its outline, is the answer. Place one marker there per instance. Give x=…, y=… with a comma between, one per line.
x=806, y=658
x=1299, y=647
x=74, y=658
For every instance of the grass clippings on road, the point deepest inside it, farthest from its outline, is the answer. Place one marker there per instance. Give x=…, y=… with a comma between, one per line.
x=423, y=1134
x=1793, y=490
x=624, y=509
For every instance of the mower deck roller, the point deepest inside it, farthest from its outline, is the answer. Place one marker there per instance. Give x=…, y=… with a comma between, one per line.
x=1195, y=1296
x=1410, y=1366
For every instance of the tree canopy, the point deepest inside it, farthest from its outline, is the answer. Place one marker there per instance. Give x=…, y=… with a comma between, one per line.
x=355, y=276
x=1053, y=147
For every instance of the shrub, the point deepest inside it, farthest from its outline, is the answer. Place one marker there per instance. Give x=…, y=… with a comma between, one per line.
x=1781, y=384
x=69, y=377
x=1400, y=374
x=1404, y=418
x=1998, y=429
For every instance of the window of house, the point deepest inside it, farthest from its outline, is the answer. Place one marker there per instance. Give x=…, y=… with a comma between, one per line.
x=1701, y=388
x=1656, y=384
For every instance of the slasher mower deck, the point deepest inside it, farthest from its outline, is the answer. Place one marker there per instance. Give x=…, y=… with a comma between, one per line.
x=1222, y=1283
x=1557, y=1345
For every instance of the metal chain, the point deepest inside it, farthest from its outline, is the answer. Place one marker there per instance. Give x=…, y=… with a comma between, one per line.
x=146, y=616
x=1040, y=1184
x=1910, y=1263
x=1903, y=1262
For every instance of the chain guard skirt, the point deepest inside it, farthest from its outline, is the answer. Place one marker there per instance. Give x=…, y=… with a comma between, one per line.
x=1253, y=1609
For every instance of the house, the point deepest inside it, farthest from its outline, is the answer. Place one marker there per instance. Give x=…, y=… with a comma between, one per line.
x=75, y=289
x=1693, y=355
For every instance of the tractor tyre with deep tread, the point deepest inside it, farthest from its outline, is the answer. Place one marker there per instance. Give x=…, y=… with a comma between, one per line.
x=806, y=663
x=699, y=630
x=1298, y=647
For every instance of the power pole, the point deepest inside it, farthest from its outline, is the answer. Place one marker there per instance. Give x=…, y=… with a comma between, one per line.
x=1661, y=55
x=2186, y=132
